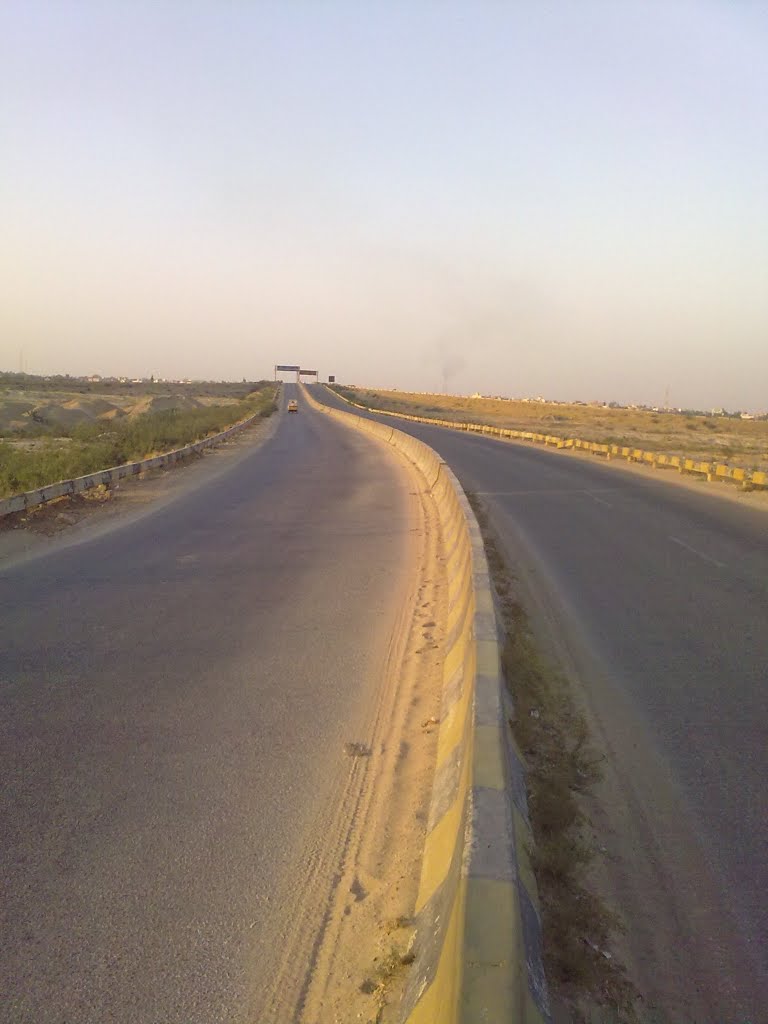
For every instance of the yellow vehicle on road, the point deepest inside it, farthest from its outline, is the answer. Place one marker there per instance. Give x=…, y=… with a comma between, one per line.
x=293, y=405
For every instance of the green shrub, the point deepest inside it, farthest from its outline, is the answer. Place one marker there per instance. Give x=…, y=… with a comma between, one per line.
x=97, y=446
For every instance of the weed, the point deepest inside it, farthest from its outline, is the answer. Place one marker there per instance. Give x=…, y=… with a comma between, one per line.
x=561, y=767
x=96, y=446
x=390, y=964
x=387, y=969
x=357, y=750
x=398, y=922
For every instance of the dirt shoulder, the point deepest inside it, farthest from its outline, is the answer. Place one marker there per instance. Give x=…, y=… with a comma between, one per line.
x=71, y=520
x=364, y=956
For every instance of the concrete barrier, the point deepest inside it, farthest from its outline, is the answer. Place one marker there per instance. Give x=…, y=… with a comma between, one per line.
x=747, y=480
x=29, y=499
x=478, y=926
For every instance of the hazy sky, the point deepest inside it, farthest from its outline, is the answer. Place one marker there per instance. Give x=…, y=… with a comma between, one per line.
x=518, y=197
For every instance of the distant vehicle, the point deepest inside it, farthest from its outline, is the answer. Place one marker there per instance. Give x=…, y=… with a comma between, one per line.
x=293, y=405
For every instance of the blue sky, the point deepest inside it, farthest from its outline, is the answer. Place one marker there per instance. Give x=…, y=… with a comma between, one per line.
x=566, y=199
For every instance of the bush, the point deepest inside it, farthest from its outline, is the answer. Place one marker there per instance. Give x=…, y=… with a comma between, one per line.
x=97, y=446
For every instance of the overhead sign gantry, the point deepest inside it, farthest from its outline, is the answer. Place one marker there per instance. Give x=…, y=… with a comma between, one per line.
x=285, y=368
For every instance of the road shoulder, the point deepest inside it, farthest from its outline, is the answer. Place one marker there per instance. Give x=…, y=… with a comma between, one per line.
x=364, y=954
x=68, y=521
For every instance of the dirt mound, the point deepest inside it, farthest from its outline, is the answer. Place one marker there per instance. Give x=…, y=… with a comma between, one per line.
x=208, y=400
x=111, y=414
x=163, y=403
x=14, y=415
x=95, y=408
x=52, y=415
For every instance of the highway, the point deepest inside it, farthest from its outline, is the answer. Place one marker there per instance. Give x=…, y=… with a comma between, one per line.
x=655, y=598
x=176, y=697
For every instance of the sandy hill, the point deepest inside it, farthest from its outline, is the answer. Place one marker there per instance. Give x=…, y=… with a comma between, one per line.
x=24, y=411
x=14, y=415
x=163, y=403
x=112, y=414
x=52, y=415
x=94, y=408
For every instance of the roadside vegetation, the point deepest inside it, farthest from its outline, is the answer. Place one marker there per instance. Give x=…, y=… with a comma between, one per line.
x=35, y=451
x=721, y=438
x=583, y=972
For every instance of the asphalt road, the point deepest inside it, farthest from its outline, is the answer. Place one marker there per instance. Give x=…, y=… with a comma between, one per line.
x=176, y=695
x=666, y=591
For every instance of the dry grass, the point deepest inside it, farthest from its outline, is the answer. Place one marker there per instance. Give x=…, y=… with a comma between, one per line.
x=388, y=969
x=91, y=445
x=716, y=438
x=578, y=928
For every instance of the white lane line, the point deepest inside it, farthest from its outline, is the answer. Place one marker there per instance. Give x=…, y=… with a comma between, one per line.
x=600, y=501
x=544, y=491
x=699, y=554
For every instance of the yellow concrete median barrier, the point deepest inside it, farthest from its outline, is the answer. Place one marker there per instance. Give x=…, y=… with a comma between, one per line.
x=478, y=927
x=748, y=480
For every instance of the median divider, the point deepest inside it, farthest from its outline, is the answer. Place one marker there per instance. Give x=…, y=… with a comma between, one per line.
x=108, y=477
x=746, y=479
x=477, y=943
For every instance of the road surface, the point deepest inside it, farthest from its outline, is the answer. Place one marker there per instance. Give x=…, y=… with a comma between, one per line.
x=176, y=696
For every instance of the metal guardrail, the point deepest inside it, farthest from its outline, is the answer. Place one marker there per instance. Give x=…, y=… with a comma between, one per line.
x=746, y=479
x=63, y=488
